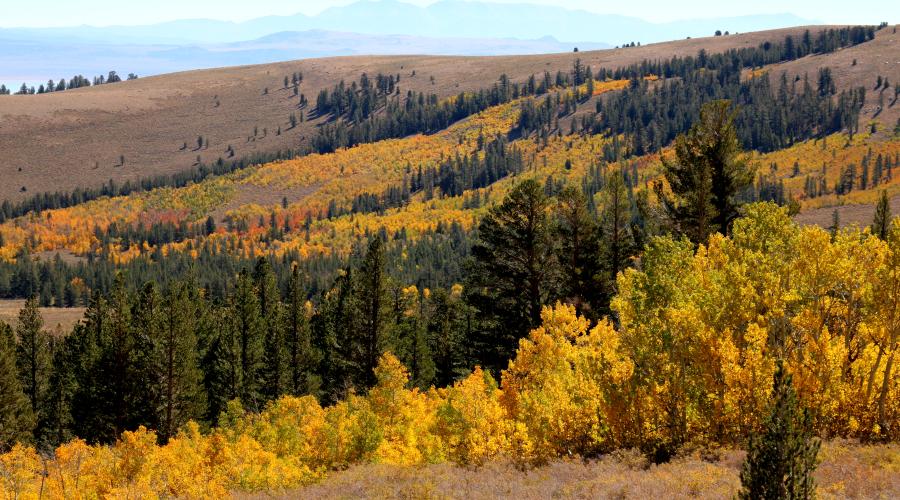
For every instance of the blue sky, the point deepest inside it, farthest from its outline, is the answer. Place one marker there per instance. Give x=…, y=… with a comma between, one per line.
x=43, y=13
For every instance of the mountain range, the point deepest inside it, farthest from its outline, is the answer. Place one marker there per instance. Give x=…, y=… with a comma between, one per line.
x=365, y=27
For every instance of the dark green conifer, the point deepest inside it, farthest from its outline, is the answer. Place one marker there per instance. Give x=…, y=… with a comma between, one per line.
x=781, y=459
x=33, y=358
x=180, y=393
x=513, y=273
x=881, y=225
x=16, y=418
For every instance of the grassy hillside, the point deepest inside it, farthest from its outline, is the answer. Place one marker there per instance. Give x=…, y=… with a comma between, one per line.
x=77, y=138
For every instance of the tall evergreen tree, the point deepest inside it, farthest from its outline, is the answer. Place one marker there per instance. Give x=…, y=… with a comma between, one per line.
x=782, y=458
x=446, y=336
x=247, y=324
x=835, y=226
x=371, y=335
x=146, y=325
x=274, y=370
x=411, y=343
x=89, y=410
x=332, y=328
x=708, y=174
x=123, y=369
x=577, y=234
x=617, y=238
x=57, y=424
x=222, y=377
x=180, y=393
x=33, y=359
x=298, y=340
x=16, y=418
x=513, y=273
x=881, y=225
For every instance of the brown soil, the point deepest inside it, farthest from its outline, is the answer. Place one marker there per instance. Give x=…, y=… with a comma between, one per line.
x=72, y=139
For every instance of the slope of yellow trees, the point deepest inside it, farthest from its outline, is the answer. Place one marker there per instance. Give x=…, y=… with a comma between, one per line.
x=831, y=154
x=319, y=178
x=316, y=179
x=689, y=364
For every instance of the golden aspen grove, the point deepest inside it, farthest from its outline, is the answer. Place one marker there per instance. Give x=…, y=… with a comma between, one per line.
x=574, y=387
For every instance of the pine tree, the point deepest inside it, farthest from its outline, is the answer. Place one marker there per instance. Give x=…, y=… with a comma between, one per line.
x=248, y=327
x=408, y=328
x=274, y=367
x=180, y=394
x=782, y=458
x=123, y=400
x=835, y=224
x=16, y=418
x=371, y=335
x=57, y=419
x=332, y=327
x=514, y=272
x=33, y=358
x=707, y=176
x=446, y=336
x=146, y=325
x=298, y=342
x=881, y=225
x=89, y=412
x=618, y=243
x=223, y=378
x=577, y=234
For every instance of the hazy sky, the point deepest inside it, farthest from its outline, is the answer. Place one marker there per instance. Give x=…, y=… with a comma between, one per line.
x=15, y=13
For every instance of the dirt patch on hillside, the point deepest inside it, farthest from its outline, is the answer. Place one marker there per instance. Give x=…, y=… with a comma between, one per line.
x=64, y=255
x=261, y=195
x=848, y=215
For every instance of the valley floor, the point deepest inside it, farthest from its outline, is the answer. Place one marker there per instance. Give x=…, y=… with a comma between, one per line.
x=847, y=470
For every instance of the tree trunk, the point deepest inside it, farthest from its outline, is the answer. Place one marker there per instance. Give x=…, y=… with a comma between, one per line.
x=882, y=399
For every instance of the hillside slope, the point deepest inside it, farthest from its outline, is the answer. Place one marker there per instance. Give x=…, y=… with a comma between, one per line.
x=78, y=138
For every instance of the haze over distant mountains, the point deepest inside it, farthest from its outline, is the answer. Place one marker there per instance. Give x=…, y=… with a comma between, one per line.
x=365, y=27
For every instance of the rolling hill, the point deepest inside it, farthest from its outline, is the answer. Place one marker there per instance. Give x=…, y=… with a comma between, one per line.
x=274, y=195
x=62, y=141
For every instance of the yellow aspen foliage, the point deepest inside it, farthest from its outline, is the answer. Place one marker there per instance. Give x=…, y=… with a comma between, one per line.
x=688, y=361
x=404, y=416
x=18, y=469
x=471, y=421
x=545, y=390
x=291, y=427
x=601, y=361
x=185, y=469
x=352, y=433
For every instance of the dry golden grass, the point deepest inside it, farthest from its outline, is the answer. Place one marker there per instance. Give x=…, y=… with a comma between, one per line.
x=848, y=470
x=56, y=319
